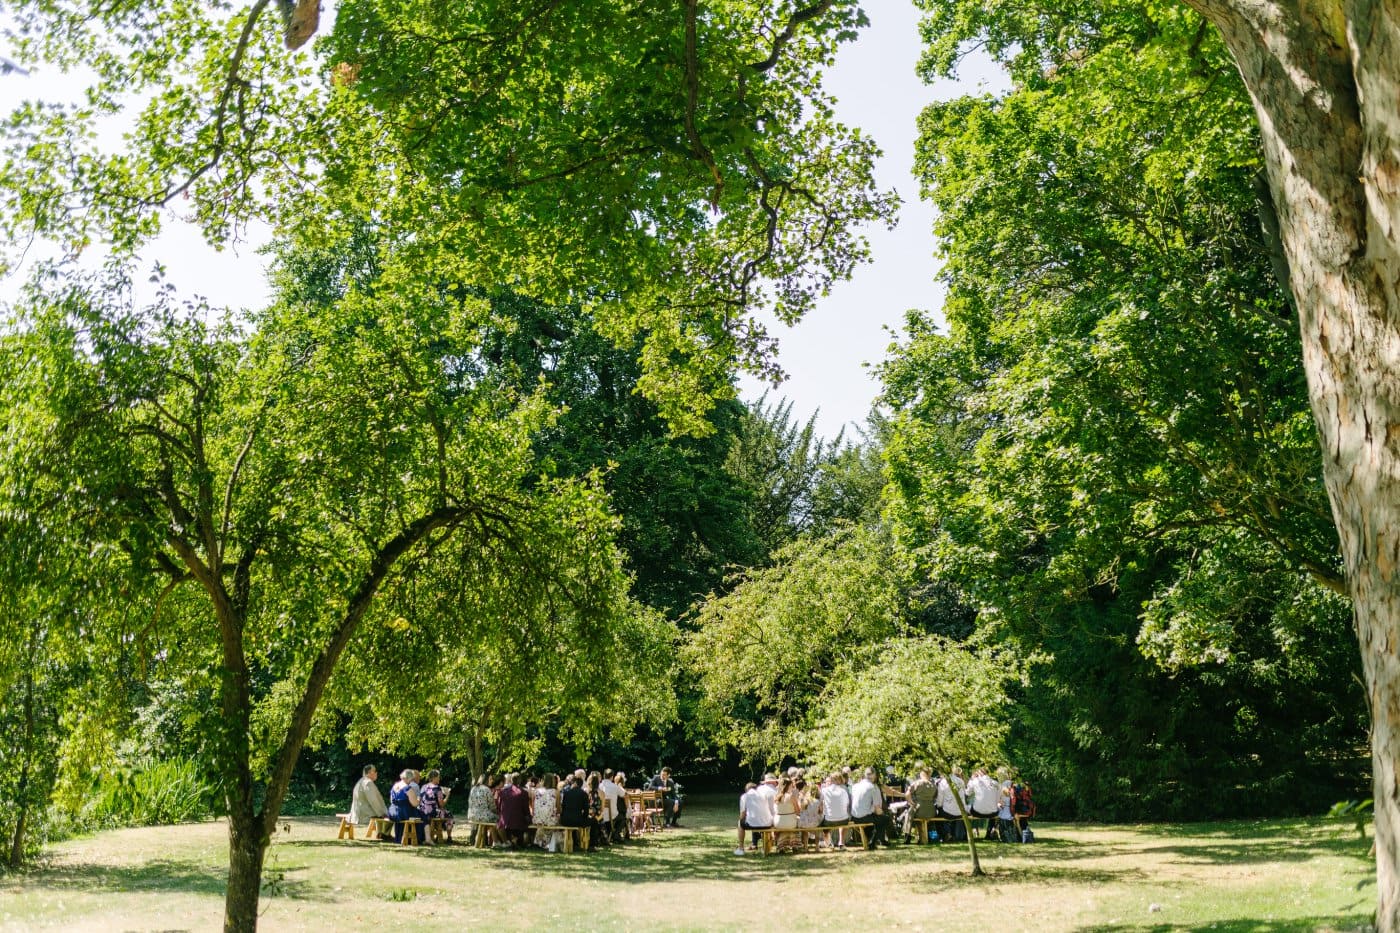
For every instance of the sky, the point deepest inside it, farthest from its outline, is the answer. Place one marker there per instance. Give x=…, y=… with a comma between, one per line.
x=826, y=356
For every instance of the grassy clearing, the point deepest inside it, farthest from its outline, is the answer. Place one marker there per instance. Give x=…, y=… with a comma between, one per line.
x=1277, y=875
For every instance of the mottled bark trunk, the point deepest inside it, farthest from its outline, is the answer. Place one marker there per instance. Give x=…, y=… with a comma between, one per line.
x=971, y=831
x=247, y=845
x=1325, y=80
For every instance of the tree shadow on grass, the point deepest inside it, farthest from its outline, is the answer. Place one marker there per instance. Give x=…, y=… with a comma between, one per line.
x=933, y=882
x=1247, y=852
x=1354, y=923
x=160, y=876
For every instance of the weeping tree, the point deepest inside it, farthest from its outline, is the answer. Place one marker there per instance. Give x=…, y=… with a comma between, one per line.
x=919, y=699
x=478, y=652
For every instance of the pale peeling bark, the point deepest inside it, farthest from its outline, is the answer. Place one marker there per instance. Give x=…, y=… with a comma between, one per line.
x=1325, y=81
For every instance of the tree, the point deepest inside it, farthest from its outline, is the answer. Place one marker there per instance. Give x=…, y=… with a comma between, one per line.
x=272, y=484
x=479, y=652
x=764, y=651
x=1322, y=78
x=668, y=170
x=912, y=699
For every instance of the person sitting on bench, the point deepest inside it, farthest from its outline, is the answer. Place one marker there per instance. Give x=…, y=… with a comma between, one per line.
x=923, y=802
x=868, y=807
x=755, y=813
x=366, y=802
x=984, y=793
x=403, y=805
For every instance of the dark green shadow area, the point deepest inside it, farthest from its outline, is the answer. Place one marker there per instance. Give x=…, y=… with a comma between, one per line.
x=174, y=876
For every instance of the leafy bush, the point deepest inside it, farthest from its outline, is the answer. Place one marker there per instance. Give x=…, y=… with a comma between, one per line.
x=155, y=793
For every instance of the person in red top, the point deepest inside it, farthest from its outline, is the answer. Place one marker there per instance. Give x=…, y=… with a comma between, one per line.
x=513, y=805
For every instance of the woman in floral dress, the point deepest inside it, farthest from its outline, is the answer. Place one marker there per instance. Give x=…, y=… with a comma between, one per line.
x=432, y=800
x=547, y=813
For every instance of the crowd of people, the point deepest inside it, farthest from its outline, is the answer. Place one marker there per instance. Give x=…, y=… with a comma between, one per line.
x=515, y=804
x=824, y=806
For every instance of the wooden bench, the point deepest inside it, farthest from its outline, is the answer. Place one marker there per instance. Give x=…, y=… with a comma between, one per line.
x=481, y=833
x=347, y=828
x=436, y=829
x=569, y=832
x=809, y=836
x=379, y=827
x=410, y=832
x=921, y=825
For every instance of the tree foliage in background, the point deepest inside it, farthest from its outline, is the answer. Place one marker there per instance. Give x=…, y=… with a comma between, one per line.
x=1111, y=444
x=1323, y=79
x=671, y=172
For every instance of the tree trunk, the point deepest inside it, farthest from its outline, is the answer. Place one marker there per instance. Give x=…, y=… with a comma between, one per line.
x=22, y=795
x=977, y=871
x=1325, y=81
x=247, y=846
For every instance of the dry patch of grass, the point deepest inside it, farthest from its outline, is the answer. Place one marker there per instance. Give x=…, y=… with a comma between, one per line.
x=1279, y=875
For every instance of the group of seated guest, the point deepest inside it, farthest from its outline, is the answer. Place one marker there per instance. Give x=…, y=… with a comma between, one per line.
x=822, y=807
x=516, y=803
x=408, y=799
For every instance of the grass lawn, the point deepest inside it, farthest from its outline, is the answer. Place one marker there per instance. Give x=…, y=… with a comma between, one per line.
x=1291, y=875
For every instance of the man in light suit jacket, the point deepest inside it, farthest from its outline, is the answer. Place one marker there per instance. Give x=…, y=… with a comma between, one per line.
x=365, y=800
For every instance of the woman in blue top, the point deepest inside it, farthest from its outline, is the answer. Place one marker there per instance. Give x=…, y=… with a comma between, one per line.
x=403, y=805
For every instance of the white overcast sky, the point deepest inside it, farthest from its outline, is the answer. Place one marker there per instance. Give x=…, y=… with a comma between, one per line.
x=826, y=355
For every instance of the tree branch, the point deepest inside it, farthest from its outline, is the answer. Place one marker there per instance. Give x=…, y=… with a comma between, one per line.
x=790, y=30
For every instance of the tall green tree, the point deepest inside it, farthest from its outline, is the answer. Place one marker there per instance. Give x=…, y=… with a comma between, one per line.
x=274, y=482
x=762, y=652
x=1111, y=441
x=1322, y=79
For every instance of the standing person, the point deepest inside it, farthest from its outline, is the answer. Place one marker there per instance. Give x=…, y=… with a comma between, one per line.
x=670, y=796
x=432, y=798
x=755, y=813
x=547, y=813
x=366, y=802
x=836, y=805
x=513, y=805
x=868, y=807
x=404, y=803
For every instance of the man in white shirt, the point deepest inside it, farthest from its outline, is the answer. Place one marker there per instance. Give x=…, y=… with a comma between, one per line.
x=868, y=807
x=984, y=794
x=756, y=811
x=948, y=807
x=613, y=794
x=836, y=805
x=365, y=799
